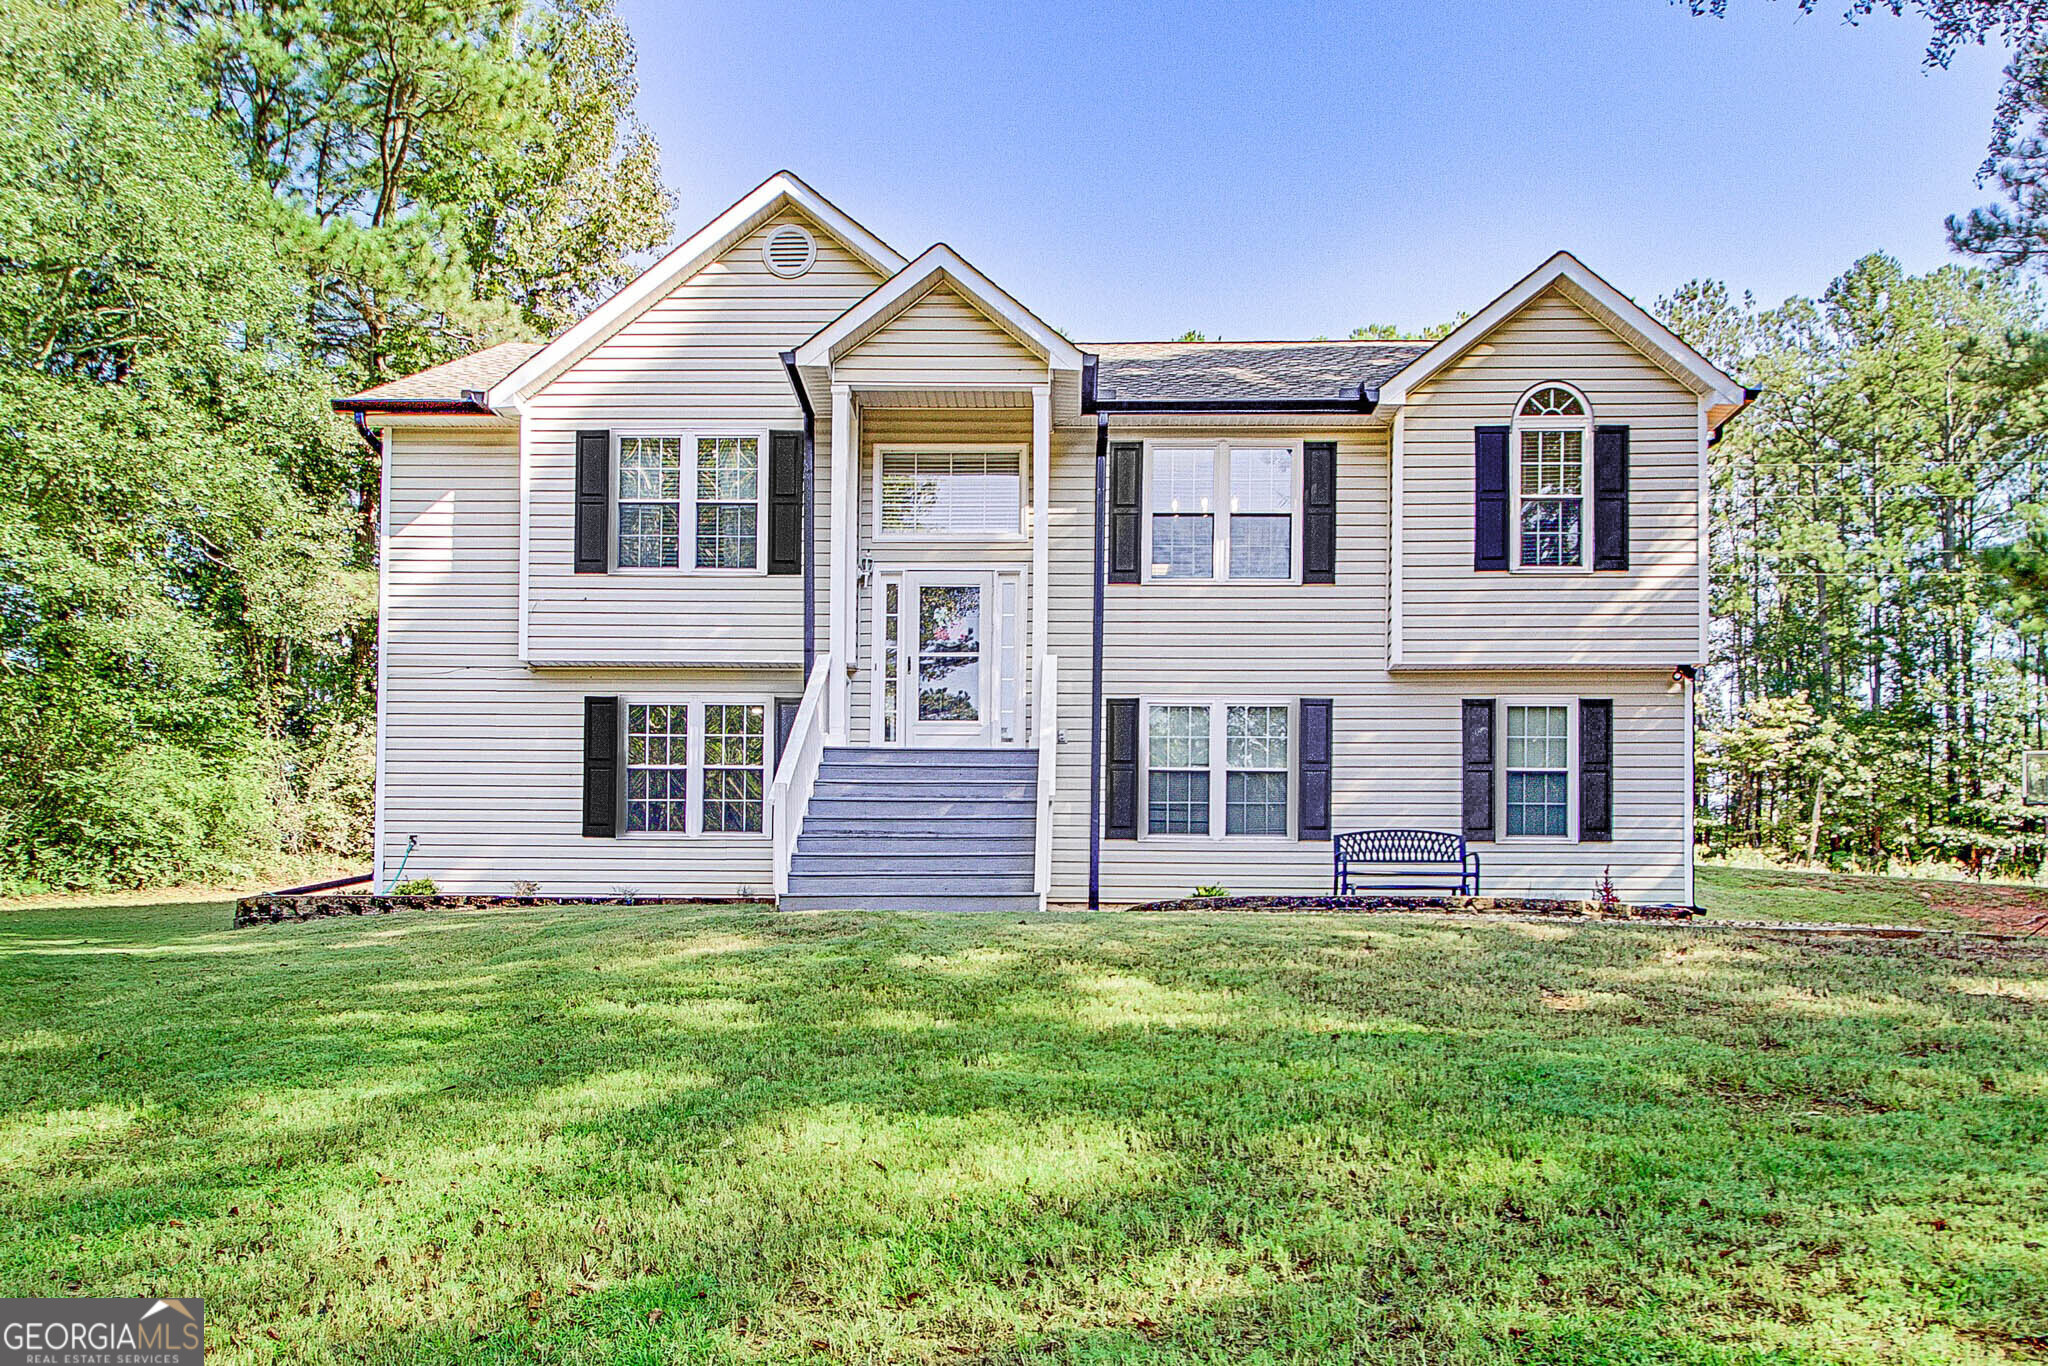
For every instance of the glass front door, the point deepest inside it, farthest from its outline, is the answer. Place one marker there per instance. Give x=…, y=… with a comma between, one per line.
x=947, y=664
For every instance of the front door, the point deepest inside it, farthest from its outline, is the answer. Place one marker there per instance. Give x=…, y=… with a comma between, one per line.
x=951, y=663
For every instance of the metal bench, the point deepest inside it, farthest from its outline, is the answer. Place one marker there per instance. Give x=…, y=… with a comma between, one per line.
x=1439, y=862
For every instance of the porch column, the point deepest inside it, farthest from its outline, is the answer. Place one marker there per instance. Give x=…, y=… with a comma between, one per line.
x=1041, y=534
x=845, y=547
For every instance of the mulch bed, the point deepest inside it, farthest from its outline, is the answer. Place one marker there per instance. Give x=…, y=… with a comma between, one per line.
x=275, y=909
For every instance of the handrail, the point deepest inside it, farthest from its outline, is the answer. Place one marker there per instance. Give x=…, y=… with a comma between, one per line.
x=1046, y=715
x=789, y=796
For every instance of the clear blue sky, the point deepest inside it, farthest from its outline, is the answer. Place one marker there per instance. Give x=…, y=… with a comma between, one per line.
x=1265, y=170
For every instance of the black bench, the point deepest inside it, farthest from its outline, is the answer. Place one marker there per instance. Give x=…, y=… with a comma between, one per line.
x=1439, y=858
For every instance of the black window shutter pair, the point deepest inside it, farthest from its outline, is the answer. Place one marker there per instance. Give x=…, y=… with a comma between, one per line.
x=1493, y=519
x=1312, y=770
x=785, y=502
x=603, y=772
x=1319, y=511
x=1596, y=768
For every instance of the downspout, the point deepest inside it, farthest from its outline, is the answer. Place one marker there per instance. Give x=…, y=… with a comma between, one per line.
x=369, y=435
x=1095, y=661
x=810, y=553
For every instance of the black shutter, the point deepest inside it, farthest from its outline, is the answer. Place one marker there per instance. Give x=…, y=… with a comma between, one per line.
x=1319, y=512
x=1120, y=810
x=593, y=502
x=1126, y=480
x=1610, y=498
x=785, y=721
x=600, y=767
x=1478, y=785
x=785, y=502
x=1596, y=769
x=1490, y=498
x=1312, y=779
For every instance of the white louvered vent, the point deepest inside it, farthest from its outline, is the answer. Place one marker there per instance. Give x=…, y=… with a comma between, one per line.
x=789, y=251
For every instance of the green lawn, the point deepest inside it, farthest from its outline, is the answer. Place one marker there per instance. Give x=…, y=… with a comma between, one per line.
x=1728, y=893
x=714, y=1135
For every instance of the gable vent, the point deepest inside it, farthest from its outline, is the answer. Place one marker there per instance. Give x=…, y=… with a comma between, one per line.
x=789, y=251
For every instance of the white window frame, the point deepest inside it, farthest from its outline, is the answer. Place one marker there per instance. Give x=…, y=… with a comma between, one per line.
x=1583, y=425
x=1219, y=767
x=1015, y=534
x=1571, y=772
x=686, y=505
x=1219, y=558
x=693, y=747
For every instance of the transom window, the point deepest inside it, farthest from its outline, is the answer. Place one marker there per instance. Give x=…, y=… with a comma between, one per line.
x=696, y=767
x=1223, y=511
x=1538, y=769
x=1193, y=750
x=709, y=484
x=951, y=492
x=1552, y=434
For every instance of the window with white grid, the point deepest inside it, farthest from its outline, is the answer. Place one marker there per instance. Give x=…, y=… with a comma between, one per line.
x=1255, y=760
x=728, y=501
x=1177, y=771
x=1552, y=434
x=1537, y=765
x=706, y=487
x=952, y=493
x=735, y=763
x=657, y=766
x=650, y=485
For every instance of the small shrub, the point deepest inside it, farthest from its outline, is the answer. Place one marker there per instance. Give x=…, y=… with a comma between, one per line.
x=1211, y=889
x=526, y=888
x=416, y=886
x=1608, y=899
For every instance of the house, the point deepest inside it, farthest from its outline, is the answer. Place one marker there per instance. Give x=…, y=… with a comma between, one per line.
x=803, y=567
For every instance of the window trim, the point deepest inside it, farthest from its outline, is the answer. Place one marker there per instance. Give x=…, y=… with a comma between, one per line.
x=693, y=750
x=1584, y=425
x=1571, y=771
x=1222, y=450
x=1219, y=765
x=883, y=449
x=686, y=506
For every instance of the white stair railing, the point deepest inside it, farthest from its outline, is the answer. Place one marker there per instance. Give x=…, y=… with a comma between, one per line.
x=1045, y=713
x=796, y=773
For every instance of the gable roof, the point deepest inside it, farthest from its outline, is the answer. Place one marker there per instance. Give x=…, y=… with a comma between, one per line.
x=1570, y=276
x=939, y=265
x=446, y=387
x=778, y=192
x=1252, y=372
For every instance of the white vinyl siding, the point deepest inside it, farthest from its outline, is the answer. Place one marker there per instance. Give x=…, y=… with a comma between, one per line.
x=702, y=360
x=1397, y=745
x=1647, y=616
x=483, y=757
x=942, y=339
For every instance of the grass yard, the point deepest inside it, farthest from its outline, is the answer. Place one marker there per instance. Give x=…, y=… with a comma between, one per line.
x=1730, y=893
x=708, y=1135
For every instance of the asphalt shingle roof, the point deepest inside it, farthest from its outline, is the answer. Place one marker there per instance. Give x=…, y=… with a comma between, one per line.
x=446, y=383
x=1127, y=371
x=1198, y=371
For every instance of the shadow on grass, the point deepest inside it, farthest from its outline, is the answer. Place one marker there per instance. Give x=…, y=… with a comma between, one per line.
x=701, y=1134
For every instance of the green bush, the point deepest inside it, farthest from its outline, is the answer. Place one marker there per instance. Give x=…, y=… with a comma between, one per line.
x=1210, y=889
x=415, y=886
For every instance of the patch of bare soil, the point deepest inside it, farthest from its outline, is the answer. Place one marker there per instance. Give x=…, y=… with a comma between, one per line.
x=2011, y=910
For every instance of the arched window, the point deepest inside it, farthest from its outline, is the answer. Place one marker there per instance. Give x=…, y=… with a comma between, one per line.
x=1553, y=436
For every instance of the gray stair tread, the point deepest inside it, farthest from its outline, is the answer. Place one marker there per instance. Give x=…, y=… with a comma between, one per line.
x=850, y=902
